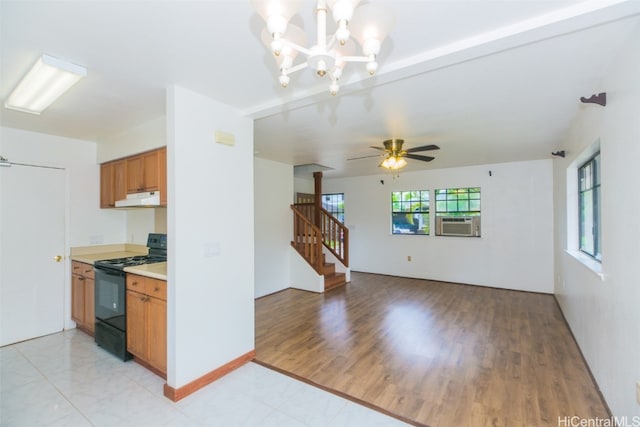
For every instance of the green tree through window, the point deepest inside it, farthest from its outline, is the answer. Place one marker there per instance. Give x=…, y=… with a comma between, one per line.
x=410, y=212
x=458, y=201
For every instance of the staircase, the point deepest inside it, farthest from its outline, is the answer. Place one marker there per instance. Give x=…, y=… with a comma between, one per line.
x=315, y=230
x=332, y=279
x=310, y=240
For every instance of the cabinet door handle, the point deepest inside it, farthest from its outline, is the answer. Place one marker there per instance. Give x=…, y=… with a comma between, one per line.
x=156, y=289
x=134, y=283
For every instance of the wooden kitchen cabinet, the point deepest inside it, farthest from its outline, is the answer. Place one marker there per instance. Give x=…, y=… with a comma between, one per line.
x=143, y=172
x=82, y=296
x=147, y=321
x=135, y=174
x=162, y=165
x=112, y=183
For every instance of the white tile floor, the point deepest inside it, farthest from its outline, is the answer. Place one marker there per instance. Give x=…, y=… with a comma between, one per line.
x=64, y=379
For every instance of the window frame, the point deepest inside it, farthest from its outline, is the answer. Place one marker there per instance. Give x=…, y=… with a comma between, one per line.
x=405, y=207
x=452, y=201
x=338, y=213
x=592, y=186
x=456, y=200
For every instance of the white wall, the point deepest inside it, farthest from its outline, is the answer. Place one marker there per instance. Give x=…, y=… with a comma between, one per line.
x=514, y=252
x=303, y=276
x=87, y=223
x=144, y=137
x=140, y=222
x=210, y=218
x=604, y=315
x=273, y=195
x=303, y=185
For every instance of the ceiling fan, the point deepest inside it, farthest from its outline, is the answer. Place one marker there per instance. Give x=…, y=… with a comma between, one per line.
x=394, y=156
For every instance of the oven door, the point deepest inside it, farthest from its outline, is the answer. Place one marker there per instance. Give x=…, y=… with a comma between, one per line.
x=110, y=297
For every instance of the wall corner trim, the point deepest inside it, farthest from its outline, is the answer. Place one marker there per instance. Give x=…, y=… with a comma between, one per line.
x=175, y=394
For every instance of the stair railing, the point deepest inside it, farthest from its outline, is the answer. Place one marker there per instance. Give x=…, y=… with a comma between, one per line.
x=307, y=239
x=335, y=236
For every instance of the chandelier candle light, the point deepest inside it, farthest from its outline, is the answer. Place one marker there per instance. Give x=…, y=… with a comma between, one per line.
x=369, y=24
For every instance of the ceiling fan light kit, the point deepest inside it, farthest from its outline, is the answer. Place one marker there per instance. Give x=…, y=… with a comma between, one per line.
x=369, y=24
x=393, y=163
x=395, y=155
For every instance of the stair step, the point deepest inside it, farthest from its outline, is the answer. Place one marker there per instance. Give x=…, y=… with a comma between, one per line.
x=329, y=268
x=334, y=280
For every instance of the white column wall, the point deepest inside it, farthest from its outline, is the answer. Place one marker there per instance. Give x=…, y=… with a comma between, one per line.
x=210, y=236
x=273, y=195
x=514, y=252
x=604, y=314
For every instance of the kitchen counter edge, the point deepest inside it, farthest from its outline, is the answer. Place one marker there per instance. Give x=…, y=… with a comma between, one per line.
x=157, y=270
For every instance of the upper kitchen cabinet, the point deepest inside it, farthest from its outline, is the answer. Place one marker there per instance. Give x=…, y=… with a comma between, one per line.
x=112, y=183
x=143, y=172
x=135, y=174
x=162, y=165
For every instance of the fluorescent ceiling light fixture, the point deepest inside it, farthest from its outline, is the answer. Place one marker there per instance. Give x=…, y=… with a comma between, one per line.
x=47, y=80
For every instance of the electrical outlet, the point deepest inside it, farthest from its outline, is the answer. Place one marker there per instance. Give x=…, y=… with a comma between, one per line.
x=638, y=392
x=409, y=258
x=96, y=239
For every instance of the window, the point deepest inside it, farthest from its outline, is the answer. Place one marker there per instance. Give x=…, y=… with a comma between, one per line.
x=458, y=212
x=334, y=204
x=589, y=207
x=410, y=212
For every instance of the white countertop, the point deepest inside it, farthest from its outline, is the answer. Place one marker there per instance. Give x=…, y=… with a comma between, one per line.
x=157, y=270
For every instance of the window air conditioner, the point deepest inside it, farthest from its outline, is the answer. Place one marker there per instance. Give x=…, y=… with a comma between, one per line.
x=456, y=226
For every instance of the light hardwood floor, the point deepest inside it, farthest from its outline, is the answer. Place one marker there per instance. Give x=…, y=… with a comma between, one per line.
x=439, y=354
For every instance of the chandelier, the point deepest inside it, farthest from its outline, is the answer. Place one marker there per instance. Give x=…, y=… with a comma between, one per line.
x=369, y=24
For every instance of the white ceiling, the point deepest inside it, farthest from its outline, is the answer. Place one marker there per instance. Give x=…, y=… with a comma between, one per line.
x=486, y=80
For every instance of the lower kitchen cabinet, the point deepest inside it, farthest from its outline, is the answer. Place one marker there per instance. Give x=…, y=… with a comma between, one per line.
x=82, y=296
x=147, y=321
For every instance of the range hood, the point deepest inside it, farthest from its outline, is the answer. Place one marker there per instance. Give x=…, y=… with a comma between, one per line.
x=140, y=200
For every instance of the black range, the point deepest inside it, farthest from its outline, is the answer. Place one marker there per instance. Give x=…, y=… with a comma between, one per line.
x=110, y=295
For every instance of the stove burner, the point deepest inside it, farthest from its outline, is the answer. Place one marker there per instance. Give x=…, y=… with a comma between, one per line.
x=120, y=263
x=157, y=244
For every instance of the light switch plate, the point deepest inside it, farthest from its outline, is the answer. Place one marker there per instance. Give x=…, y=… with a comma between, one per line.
x=211, y=249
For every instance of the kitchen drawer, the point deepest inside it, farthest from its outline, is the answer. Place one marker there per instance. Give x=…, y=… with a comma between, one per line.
x=87, y=271
x=156, y=288
x=136, y=283
x=82, y=269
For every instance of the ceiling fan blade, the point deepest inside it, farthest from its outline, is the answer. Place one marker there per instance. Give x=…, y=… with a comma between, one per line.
x=365, y=157
x=378, y=148
x=422, y=148
x=419, y=157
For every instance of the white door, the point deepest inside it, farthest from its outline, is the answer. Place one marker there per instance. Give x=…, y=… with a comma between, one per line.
x=32, y=230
